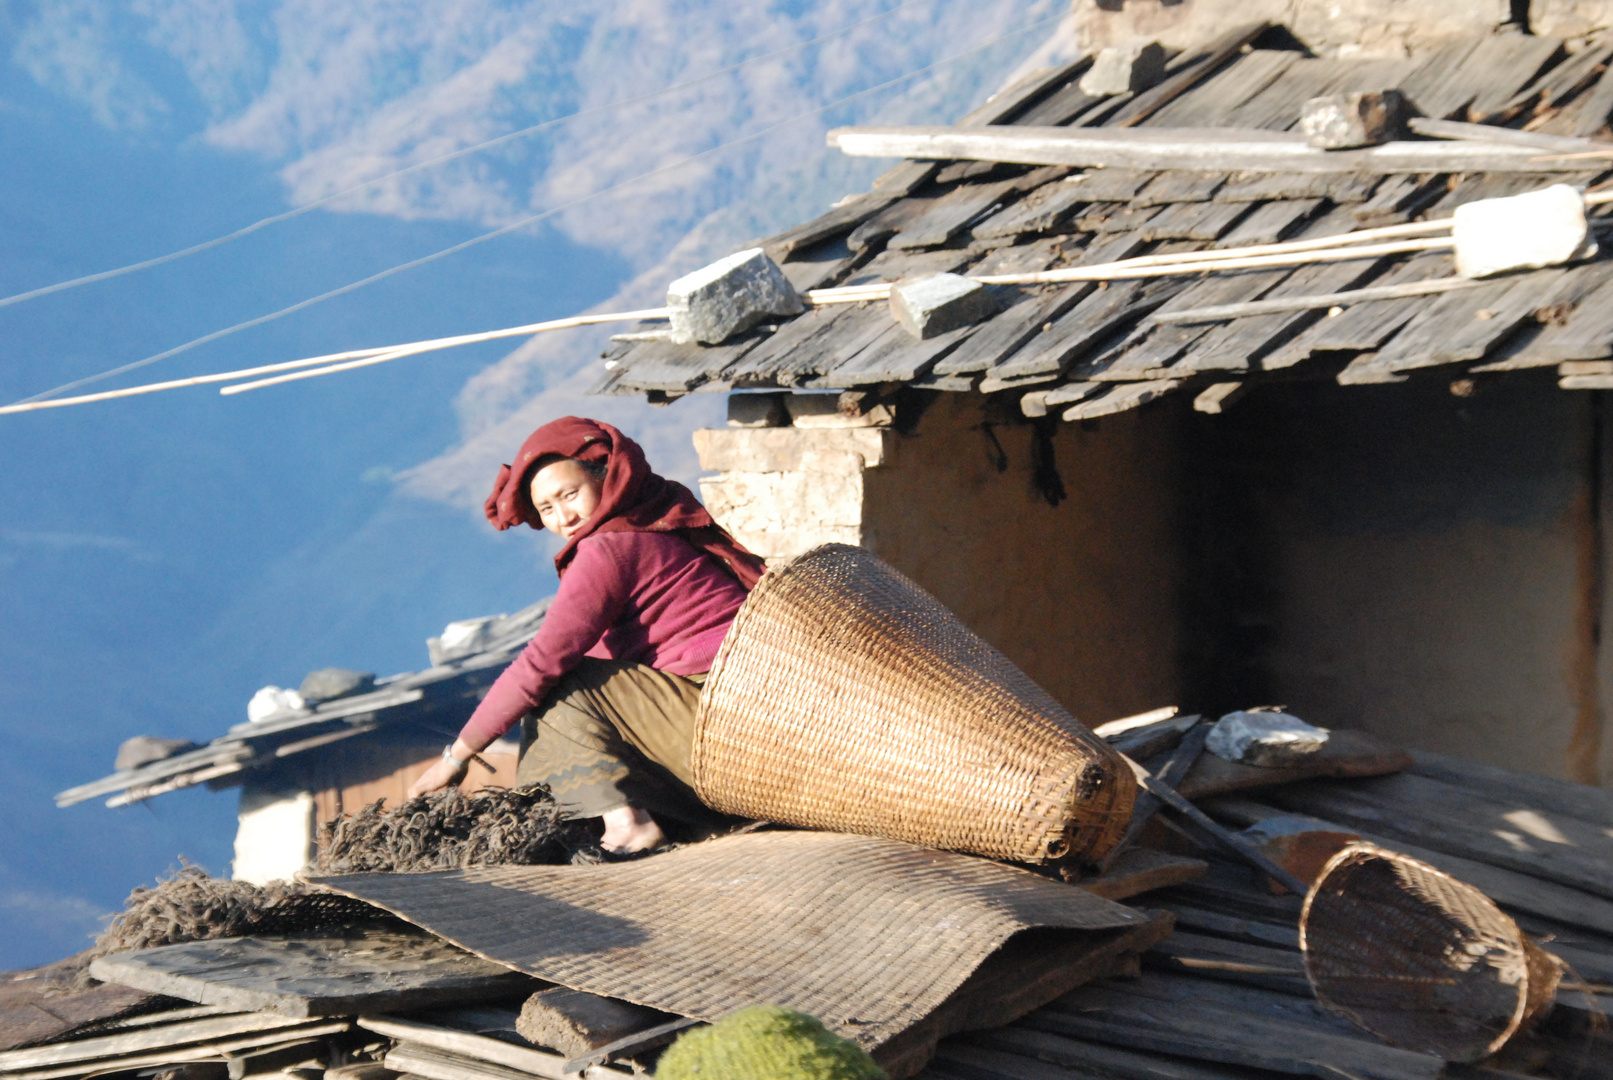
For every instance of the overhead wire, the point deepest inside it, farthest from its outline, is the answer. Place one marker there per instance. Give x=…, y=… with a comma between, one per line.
x=44, y=399
x=441, y=159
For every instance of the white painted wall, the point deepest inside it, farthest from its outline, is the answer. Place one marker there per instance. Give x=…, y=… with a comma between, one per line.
x=275, y=837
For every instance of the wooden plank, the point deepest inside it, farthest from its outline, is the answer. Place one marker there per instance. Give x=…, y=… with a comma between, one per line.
x=1177, y=186
x=1585, y=332
x=43, y=1009
x=1277, y=107
x=946, y=217
x=357, y=970
x=1492, y=325
x=1445, y=818
x=415, y=1059
x=1398, y=198
x=1509, y=888
x=962, y=1061
x=1140, y=870
x=1458, y=129
x=638, y=1042
x=891, y=355
x=797, y=344
x=1005, y=333
x=893, y=265
x=299, y=1033
x=1259, y=340
x=1346, y=754
x=1280, y=186
x=1592, y=115
x=1433, y=80
x=1030, y=970
x=843, y=349
x=1565, y=80
x=1366, y=326
x=1124, y=397
x=1063, y=105
x=1271, y=222
x=1542, y=793
x=1100, y=312
x=837, y=221
x=1502, y=65
x=1108, y=218
x=1187, y=72
x=1199, y=1030
x=1194, y=221
x=1175, y=988
x=1087, y=1058
x=157, y=1037
x=478, y=1047
x=1313, y=301
x=878, y=228
x=1009, y=105
x=1248, y=931
x=661, y=365
x=818, y=266
x=1213, y=103
x=1043, y=210
x=1207, y=957
x=1156, y=348
x=1112, y=185
x=1419, y=343
x=1232, y=888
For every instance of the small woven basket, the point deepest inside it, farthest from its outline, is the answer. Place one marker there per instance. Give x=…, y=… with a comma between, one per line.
x=847, y=698
x=1419, y=958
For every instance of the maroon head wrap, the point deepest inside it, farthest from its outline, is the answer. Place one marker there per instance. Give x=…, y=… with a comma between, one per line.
x=633, y=497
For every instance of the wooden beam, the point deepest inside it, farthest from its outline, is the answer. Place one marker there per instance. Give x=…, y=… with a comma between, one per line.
x=1208, y=149
x=1486, y=133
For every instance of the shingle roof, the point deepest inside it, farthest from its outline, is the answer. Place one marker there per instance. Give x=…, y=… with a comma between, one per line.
x=1089, y=348
x=437, y=700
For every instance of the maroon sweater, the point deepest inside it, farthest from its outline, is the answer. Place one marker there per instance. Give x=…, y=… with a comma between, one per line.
x=648, y=597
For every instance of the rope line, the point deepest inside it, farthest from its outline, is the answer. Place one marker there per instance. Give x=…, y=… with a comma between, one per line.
x=45, y=399
x=146, y=264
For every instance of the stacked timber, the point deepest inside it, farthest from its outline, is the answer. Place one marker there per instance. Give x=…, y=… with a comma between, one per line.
x=1210, y=985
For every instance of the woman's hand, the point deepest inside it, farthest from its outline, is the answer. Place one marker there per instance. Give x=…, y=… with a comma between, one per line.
x=443, y=773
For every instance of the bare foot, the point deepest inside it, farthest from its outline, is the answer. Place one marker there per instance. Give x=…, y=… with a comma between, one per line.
x=630, y=829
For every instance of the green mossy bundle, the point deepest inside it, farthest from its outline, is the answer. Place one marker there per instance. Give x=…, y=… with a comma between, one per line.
x=766, y=1042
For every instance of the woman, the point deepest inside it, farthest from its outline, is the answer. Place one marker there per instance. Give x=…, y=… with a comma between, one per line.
x=607, y=689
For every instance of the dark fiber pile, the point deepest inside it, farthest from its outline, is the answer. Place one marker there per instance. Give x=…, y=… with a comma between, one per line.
x=191, y=906
x=450, y=830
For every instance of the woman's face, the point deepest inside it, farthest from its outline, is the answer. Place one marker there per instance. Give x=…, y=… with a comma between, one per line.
x=565, y=495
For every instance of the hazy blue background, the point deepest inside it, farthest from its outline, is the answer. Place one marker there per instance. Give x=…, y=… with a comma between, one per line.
x=163, y=557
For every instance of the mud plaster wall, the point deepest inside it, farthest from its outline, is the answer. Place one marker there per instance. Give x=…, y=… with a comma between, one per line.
x=1082, y=596
x=1416, y=564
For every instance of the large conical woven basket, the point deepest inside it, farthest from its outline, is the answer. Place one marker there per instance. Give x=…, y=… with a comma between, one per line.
x=845, y=697
x=1419, y=958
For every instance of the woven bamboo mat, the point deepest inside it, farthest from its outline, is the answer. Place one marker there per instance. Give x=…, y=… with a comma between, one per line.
x=869, y=935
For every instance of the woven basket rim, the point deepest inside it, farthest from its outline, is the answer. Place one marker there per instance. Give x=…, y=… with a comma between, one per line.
x=1362, y=852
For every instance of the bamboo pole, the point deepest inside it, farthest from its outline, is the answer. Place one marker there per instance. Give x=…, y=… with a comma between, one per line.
x=390, y=351
x=396, y=352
